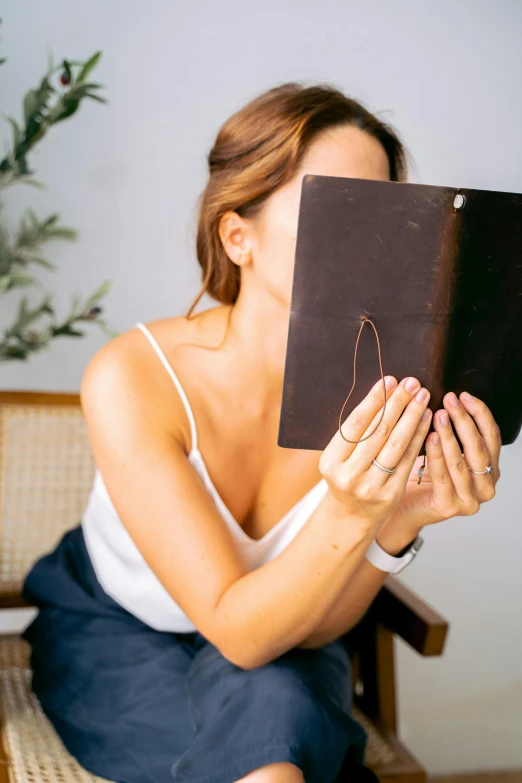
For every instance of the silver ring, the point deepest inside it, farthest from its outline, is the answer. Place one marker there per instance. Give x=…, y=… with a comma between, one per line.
x=488, y=469
x=381, y=467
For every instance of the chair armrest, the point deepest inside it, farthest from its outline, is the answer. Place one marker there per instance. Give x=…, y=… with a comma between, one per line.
x=404, y=613
x=13, y=601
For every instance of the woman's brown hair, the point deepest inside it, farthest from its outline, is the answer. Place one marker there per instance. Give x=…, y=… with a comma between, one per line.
x=257, y=150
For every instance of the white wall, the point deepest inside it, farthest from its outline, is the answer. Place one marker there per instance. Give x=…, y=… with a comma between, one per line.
x=448, y=75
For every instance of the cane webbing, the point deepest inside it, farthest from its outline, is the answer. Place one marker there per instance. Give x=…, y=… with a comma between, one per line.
x=46, y=473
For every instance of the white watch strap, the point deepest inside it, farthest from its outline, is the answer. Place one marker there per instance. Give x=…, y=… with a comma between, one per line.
x=386, y=562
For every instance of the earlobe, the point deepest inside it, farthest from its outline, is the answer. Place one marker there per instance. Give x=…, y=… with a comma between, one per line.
x=231, y=235
x=242, y=249
x=242, y=259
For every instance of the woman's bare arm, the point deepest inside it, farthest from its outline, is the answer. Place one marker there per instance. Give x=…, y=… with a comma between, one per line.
x=281, y=603
x=251, y=616
x=361, y=589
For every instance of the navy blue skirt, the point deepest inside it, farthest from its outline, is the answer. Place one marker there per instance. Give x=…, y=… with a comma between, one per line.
x=137, y=705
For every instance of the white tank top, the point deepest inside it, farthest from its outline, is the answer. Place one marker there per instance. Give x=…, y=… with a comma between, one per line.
x=119, y=565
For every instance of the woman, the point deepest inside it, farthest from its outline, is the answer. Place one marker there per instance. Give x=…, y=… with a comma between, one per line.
x=189, y=626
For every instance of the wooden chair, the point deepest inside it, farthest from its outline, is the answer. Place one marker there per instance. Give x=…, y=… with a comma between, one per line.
x=46, y=473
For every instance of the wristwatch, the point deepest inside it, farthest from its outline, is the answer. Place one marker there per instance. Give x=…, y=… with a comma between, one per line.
x=393, y=564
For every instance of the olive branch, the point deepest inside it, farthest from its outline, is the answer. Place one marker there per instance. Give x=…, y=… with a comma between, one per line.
x=58, y=97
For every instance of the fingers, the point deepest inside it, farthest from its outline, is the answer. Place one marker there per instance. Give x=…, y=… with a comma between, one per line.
x=445, y=499
x=400, y=450
x=476, y=448
x=455, y=471
x=355, y=425
x=488, y=428
x=366, y=451
x=415, y=411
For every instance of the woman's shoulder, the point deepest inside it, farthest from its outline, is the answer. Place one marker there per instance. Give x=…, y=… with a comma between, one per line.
x=173, y=331
x=128, y=364
x=128, y=356
x=130, y=351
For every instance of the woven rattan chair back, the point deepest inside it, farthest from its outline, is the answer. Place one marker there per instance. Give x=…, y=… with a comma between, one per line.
x=46, y=473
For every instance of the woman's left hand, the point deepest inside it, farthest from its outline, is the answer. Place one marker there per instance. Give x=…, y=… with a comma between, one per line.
x=448, y=488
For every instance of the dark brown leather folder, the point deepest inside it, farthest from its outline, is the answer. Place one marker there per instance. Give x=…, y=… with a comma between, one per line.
x=439, y=272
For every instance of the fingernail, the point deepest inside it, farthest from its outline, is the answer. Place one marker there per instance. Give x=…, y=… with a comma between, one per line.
x=444, y=419
x=421, y=396
x=411, y=384
x=435, y=438
x=452, y=399
x=467, y=397
x=426, y=414
x=389, y=382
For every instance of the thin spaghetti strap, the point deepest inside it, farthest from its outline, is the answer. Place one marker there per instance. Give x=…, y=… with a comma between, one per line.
x=177, y=383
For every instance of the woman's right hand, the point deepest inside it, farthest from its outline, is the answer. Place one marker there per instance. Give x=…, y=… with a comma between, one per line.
x=367, y=492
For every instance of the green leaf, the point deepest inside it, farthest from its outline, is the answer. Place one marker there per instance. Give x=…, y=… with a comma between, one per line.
x=26, y=316
x=34, y=182
x=96, y=97
x=75, y=304
x=41, y=262
x=68, y=330
x=98, y=294
x=17, y=133
x=21, y=281
x=83, y=89
x=13, y=352
x=45, y=305
x=33, y=218
x=92, y=86
x=23, y=313
x=48, y=221
x=5, y=283
x=60, y=232
x=45, y=91
x=70, y=106
x=31, y=105
x=89, y=65
x=23, y=168
x=35, y=128
x=105, y=329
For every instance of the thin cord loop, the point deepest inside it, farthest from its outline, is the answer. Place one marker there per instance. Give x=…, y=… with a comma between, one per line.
x=364, y=321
